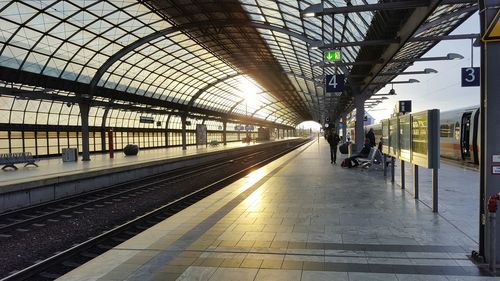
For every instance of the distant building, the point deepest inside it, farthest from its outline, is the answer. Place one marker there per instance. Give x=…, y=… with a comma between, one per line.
x=369, y=120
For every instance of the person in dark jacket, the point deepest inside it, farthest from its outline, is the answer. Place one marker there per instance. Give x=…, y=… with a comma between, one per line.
x=362, y=154
x=371, y=137
x=333, y=139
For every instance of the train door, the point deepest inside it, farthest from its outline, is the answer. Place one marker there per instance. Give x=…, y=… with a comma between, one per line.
x=465, y=135
x=475, y=136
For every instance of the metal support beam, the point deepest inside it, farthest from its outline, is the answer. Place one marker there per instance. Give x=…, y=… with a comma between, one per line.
x=415, y=181
x=183, y=121
x=359, y=128
x=224, y=132
x=398, y=41
x=490, y=114
x=406, y=31
x=84, y=115
x=402, y=176
x=396, y=5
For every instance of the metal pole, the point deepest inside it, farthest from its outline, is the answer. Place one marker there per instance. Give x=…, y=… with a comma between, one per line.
x=392, y=169
x=435, y=190
x=84, y=114
x=415, y=181
x=183, y=121
x=492, y=258
x=111, y=143
x=384, y=163
x=402, y=174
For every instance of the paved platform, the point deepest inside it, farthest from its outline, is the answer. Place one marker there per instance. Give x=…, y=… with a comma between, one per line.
x=300, y=218
x=55, y=167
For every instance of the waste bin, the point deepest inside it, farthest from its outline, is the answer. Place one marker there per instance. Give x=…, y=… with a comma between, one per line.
x=131, y=149
x=69, y=154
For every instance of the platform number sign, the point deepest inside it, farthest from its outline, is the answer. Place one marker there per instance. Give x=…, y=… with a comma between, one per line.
x=471, y=76
x=334, y=83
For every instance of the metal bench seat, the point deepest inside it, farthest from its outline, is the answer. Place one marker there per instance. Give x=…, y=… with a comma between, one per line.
x=370, y=160
x=8, y=160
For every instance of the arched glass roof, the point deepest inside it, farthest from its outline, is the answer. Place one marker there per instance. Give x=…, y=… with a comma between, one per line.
x=165, y=57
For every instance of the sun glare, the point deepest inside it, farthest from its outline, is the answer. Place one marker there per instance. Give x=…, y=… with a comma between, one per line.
x=249, y=91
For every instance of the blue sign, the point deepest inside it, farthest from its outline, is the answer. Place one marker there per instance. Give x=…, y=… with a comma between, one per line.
x=471, y=76
x=334, y=83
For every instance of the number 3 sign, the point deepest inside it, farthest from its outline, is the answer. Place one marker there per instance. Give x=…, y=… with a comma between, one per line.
x=470, y=76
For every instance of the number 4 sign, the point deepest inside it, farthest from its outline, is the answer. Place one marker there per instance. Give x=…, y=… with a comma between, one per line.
x=471, y=76
x=334, y=83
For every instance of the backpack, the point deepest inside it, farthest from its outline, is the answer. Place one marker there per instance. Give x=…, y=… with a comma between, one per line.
x=346, y=163
x=344, y=148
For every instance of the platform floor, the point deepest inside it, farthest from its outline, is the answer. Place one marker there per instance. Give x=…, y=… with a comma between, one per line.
x=55, y=167
x=300, y=218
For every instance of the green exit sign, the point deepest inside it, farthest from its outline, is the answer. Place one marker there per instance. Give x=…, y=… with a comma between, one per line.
x=335, y=55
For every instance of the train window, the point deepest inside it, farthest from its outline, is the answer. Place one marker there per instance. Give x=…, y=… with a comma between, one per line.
x=445, y=131
x=457, y=131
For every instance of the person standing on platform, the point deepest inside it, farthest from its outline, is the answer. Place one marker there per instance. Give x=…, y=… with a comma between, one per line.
x=333, y=139
x=371, y=137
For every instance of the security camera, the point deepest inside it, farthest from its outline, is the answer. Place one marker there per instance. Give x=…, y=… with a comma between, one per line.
x=68, y=104
x=392, y=92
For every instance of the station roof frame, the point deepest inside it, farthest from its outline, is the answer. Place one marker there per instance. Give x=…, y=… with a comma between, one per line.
x=119, y=52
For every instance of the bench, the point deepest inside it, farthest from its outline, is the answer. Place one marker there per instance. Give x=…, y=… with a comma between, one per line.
x=374, y=157
x=8, y=160
x=213, y=143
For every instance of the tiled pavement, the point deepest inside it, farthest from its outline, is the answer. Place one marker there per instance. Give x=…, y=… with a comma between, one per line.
x=298, y=218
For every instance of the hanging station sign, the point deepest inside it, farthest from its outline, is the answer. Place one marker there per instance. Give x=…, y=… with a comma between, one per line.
x=146, y=119
x=332, y=55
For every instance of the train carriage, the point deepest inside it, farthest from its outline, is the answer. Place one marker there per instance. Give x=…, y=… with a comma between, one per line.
x=459, y=134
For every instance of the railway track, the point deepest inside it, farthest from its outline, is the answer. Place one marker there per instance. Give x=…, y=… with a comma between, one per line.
x=32, y=216
x=58, y=264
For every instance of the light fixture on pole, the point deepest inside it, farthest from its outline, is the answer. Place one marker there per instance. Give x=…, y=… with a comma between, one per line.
x=425, y=71
x=397, y=82
x=312, y=10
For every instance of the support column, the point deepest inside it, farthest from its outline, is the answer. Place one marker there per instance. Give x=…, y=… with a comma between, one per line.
x=183, y=121
x=84, y=114
x=490, y=114
x=103, y=129
x=224, y=132
x=344, y=129
x=402, y=174
x=360, y=116
x=415, y=181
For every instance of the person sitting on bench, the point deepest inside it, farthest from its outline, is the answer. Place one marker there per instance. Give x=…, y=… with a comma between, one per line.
x=362, y=154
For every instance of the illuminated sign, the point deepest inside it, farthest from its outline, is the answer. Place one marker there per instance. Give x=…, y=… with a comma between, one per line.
x=333, y=55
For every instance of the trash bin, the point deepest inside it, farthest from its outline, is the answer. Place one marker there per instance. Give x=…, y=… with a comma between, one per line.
x=69, y=154
x=131, y=149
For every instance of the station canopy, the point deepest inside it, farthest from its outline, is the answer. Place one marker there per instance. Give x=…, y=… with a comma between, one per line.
x=256, y=60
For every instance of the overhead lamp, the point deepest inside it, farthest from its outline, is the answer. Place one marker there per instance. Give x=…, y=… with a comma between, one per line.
x=392, y=92
x=314, y=45
x=425, y=71
x=312, y=10
x=396, y=82
x=454, y=56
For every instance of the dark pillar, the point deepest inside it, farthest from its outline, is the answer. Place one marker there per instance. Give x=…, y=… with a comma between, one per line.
x=224, y=132
x=183, y=121
x=84, y=113
x=490, y=114
x=359, y=102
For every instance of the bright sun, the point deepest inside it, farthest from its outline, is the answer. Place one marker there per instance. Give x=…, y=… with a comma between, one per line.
x=249, y=91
